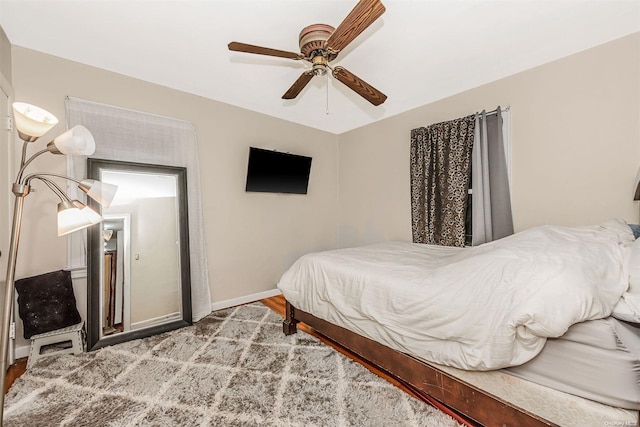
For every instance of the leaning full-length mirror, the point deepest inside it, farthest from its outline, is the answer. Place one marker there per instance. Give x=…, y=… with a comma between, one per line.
x=138, y=269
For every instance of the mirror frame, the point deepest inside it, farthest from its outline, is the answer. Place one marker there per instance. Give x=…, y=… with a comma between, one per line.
x=95, y=252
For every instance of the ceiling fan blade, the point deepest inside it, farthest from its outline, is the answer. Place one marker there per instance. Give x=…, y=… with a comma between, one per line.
x=297, y=87
x=249, y=48
x=359, y=86
x=362, y=15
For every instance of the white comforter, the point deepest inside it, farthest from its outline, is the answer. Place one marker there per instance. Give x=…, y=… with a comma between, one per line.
x=480, y=308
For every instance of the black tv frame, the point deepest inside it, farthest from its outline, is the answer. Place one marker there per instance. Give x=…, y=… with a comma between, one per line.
x=271, y=171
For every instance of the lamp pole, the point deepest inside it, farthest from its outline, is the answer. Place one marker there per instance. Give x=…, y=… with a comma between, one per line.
x=31, y=123
x=20, y=192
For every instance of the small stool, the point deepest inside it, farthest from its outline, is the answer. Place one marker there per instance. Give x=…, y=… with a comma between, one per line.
x=73, y=334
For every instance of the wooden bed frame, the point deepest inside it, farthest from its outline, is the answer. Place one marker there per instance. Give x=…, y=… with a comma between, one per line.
x=428, y=382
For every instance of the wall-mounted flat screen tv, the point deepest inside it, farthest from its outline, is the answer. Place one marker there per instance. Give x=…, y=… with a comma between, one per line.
x=276, y=172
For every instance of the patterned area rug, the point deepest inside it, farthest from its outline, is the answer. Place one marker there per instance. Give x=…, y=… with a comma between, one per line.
x=233, y=368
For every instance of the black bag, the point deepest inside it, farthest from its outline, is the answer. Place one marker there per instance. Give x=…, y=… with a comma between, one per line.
x=46, y=303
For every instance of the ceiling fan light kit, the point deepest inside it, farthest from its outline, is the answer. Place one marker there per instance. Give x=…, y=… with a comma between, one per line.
x=314, y=38
x=320, y=44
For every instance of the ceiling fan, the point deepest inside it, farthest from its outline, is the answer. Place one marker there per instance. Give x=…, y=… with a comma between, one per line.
x=320, y=44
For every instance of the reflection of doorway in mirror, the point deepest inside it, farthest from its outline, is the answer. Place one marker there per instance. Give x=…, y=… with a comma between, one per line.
x=115, y=306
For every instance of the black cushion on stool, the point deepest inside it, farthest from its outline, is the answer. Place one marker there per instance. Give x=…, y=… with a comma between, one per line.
x=46, y=302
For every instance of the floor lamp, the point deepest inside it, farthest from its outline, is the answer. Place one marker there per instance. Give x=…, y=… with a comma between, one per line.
x=31, y=123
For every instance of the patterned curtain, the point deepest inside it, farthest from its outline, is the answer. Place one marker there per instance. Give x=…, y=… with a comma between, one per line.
x=440, y=174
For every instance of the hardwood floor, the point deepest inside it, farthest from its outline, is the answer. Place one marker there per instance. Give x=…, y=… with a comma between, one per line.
x=14, y=372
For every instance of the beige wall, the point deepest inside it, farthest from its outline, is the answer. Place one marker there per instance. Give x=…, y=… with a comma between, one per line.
x=154, y=257
x=575, y=149
x=251, y=238
x=5, y=56
x=5, y=173
x=157, y=268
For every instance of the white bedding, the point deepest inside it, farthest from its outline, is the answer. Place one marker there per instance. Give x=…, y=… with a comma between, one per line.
x=479, y=308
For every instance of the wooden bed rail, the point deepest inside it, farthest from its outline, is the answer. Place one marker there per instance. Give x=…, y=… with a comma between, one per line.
x=427, y=381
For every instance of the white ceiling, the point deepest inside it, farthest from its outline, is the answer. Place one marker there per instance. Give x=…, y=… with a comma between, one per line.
x=418, y=51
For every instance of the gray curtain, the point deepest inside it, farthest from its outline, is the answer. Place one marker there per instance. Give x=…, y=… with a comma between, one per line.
x=491, y=218
x=440, y=173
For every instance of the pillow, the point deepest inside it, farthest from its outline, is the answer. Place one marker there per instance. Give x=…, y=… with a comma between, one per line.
x=634, y=268
x=46, y=303
x=628, y=306
x=620, y=227
x=636, y=230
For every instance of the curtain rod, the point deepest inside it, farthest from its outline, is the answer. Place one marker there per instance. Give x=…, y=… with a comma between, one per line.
x=492, y=112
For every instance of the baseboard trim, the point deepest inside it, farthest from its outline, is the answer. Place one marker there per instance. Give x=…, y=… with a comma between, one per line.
x=244, y=299
x=22, y=351
x=156, y=320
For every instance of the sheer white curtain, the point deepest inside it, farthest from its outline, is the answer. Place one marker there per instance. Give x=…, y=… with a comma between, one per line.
x=491, y=214
x=135, y=136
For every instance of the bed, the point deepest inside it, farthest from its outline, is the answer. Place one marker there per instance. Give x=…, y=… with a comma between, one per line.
x=514, y=332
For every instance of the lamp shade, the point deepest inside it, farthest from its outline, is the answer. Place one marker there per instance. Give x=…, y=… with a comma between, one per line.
x=32, y=121
x=93, y=216
x=71, y=219
x=107, y=235
x=77, y=141
x=101, y=192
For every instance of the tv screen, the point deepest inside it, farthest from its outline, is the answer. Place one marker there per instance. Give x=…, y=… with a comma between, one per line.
x=275, y=172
